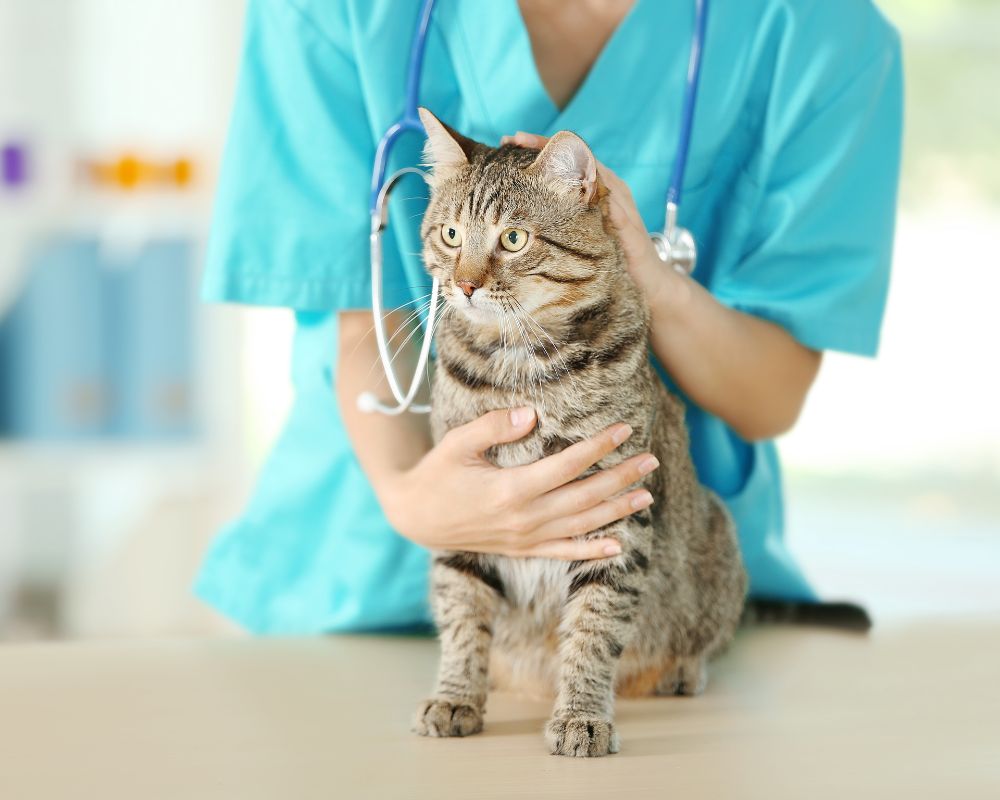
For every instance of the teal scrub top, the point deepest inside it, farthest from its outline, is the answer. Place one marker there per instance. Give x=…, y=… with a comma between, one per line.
x=790, y=193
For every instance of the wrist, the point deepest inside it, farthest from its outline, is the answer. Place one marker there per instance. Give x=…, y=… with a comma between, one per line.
x=392, y=488
x=668, y=292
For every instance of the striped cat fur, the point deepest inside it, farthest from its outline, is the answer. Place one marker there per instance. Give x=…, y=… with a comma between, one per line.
x=559, y=325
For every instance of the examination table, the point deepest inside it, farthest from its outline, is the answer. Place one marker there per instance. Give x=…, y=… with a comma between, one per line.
x=905, y=712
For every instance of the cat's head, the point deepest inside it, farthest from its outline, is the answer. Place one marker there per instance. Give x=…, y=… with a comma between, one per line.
x=512, y=231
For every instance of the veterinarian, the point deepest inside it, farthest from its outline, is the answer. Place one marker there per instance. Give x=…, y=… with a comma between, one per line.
x=790, y=193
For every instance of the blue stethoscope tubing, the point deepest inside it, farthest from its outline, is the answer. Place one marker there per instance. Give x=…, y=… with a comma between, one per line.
x=379, y=209
x=675, y=245
x=690, y=96
x=409, y=121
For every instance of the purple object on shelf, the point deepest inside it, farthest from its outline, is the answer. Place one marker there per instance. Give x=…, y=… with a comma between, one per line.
x=14, y=164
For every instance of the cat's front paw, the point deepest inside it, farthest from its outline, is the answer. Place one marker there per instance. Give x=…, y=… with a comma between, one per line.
x=581, y=736
x=440, y=717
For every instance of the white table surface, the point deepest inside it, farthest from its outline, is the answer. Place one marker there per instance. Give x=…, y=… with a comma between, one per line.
x=908, y=712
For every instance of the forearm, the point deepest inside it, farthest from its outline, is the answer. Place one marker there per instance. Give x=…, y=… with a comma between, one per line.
x=539, y=510
x=747, y=371
x=385, y=446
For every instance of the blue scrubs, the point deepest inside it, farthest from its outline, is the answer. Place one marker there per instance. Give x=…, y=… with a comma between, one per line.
x=790, y=192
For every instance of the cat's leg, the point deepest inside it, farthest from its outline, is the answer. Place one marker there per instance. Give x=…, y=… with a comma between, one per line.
x=717, y=598
x=465, y=596
x=686, y=675
x=597, y=623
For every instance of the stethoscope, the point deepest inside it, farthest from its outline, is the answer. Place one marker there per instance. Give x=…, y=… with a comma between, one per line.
x=674, y=244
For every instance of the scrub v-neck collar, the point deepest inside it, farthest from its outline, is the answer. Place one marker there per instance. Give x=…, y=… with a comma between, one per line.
x=492, y=44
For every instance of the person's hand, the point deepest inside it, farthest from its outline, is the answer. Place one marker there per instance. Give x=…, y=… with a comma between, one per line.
x=644, y=265
x=454, y=499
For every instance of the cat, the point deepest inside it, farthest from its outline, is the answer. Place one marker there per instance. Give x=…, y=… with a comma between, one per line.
x=540, y=311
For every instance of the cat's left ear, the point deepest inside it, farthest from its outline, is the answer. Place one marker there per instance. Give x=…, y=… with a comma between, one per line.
x=568, y=163
x=446, y=150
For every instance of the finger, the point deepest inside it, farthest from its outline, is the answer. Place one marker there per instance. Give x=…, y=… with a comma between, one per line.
x=625, y=220
x=619, y=189
x=631, y=229
x=553, y=471
x=496, y=427
x=523, y=139
x=582, y=495
x=610, y=178
x=597, y=517
x=573, y=549
x=623, y=204
x=635, y=242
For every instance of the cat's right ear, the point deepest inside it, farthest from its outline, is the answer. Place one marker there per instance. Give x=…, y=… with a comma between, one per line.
x=569, y=165
x=446, y=150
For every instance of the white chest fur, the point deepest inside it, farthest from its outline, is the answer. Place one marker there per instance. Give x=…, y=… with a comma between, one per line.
x=537, y=583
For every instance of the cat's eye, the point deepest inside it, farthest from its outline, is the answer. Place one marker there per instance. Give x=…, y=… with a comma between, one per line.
x=514, y=239
x=451, y=235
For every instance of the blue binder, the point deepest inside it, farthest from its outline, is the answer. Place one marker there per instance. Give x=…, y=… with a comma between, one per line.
x=55, y=359
x=6, y=384
x=151, y=349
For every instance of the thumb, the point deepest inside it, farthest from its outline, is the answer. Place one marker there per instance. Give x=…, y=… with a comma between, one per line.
x=496, y=427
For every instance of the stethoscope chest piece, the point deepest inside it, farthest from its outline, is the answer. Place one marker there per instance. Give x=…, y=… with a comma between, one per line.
x=675, y=245
x=678, y=251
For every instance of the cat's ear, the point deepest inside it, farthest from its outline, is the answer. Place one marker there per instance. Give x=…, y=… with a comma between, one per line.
x=568, y=163
x=446, y=150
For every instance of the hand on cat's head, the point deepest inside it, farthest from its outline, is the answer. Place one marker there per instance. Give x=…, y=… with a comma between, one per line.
x=511, y=231
x=643, y=263
x=564, y=159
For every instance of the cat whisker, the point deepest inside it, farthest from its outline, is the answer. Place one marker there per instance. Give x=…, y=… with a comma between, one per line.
x=441, y=315
x=507, y=373
x=504, y=369
x=507, y=351
x=416, y=329
x=537, y=326
x=385, y=318
x=403, y=326
x=555, y=347
x=530, y=374
x=555, y=357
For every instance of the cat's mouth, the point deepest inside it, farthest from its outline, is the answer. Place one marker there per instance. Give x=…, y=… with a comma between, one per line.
x=480, y=313
x=478, y=307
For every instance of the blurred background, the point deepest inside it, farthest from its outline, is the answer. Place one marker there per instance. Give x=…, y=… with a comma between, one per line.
x=132, y=429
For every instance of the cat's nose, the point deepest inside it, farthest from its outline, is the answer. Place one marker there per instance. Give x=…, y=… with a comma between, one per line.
x=468, y=287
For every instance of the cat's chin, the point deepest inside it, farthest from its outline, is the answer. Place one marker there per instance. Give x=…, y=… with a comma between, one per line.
x=478, y=315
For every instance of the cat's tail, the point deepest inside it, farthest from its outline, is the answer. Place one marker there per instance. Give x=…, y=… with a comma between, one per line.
x=768, y=611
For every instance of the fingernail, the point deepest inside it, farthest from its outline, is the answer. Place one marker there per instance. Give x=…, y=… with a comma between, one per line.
x=642, y=500
x=521, y=416
x=620, y=434
x=612, y=549
x=648, y=464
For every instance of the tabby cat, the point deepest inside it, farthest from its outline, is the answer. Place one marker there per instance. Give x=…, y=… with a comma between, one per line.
x=540, y=311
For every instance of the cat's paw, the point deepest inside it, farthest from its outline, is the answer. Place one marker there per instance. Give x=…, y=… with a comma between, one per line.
x=688, y=676
x=440, y=717
x=581, y=736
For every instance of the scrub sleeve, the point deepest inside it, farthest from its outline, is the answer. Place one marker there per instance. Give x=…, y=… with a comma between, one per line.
x=808, y=243
x=290, y=229
x=822, y=188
